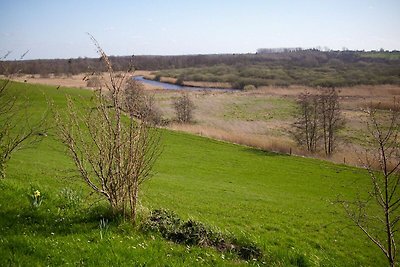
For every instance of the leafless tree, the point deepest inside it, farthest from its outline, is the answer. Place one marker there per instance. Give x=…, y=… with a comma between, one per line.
x=378, y=214
x=331, y=119
x=184, y=108
x=318, y=121
x=113, y=152
x=141, y=104
x=306, y=128
x=16, y=128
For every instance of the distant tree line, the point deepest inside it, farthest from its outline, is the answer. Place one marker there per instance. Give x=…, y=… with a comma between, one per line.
x=284, y=67
x=278, y=50
x=305, y=67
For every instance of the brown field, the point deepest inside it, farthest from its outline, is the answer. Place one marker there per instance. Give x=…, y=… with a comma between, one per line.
x=261, y=118
x=76, y=81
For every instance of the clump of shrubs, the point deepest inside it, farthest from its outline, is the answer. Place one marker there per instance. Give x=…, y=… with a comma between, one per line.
x=141, y=104
x=93, y=82
x=194, y=233
x=157, y=78
x=184, y=108
x=179, y=81
x=249, y=87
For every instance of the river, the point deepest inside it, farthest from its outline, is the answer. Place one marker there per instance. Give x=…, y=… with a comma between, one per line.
x=170, y=86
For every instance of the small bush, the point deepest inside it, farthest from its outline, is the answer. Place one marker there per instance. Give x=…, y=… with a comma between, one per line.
x=249, y=87
x=194, y=233
x=179, y=81
x=161, y=221
x=184, y=108
x=141, y=105
x=93, y=82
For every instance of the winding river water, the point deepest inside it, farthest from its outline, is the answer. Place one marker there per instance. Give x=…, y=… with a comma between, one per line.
x=170, y=86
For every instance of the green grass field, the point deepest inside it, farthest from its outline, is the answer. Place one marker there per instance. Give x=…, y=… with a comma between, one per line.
x=261, y=109
x=284, y=204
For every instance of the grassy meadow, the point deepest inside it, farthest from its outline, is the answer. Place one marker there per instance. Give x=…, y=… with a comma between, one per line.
x=285, y=204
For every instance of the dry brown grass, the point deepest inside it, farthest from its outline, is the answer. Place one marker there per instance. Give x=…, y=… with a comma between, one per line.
x=207, y=84
x=352, y=155
x=269, y=143
x=76, y=81
x=360, y=91
x=382, y=105
x=168, y=80
x=282, y=91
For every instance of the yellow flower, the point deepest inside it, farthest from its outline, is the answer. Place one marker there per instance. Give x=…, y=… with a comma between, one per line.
x=36, y=193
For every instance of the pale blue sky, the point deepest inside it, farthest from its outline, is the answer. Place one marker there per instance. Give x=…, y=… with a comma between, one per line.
x=57, y=29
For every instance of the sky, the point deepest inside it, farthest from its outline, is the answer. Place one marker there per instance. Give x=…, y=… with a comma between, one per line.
x=58, y=29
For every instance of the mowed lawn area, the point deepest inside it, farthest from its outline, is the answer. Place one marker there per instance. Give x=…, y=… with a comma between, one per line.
x=285, y=204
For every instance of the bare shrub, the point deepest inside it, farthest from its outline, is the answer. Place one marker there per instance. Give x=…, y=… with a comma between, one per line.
x=377, y=214
x=184, y=108
x=140, y=104
x=16, y=127
x=113, y=154
x=93, y=82
x=378, y=105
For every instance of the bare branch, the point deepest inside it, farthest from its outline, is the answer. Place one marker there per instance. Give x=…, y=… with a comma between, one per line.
x=114, y=152
x=384, y=135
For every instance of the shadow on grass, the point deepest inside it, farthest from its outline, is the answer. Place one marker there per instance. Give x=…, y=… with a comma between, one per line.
x=46, y=223
x=264, y=153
